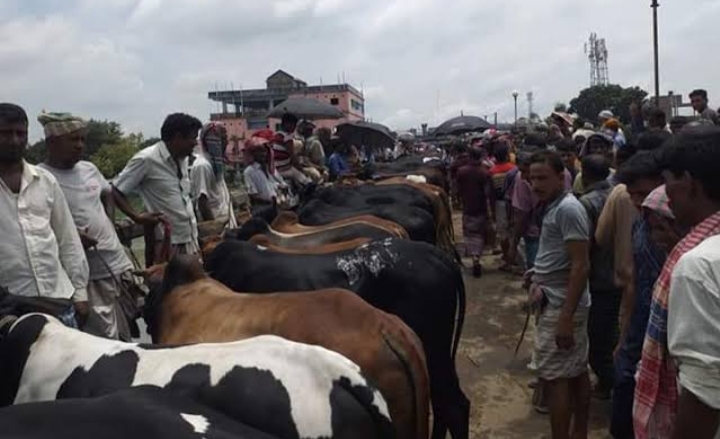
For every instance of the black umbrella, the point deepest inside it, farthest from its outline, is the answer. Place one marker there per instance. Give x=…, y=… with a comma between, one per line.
x=462, y=124
x=306, y=108
x=373, y=135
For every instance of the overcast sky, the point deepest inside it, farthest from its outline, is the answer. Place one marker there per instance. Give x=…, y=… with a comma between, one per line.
x=134, y=61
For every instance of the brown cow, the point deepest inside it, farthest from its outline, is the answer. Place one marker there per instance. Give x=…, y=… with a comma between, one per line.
x=319, y=236
x=279, y=247
x=192, y=308
x=288, y=222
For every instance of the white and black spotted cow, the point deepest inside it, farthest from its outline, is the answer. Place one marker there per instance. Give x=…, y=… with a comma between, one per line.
x=285, y=389
x=144, y=412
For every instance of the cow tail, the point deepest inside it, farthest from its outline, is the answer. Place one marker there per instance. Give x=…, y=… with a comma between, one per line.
x=416, y=371
x=460, y=320
x=449, y=230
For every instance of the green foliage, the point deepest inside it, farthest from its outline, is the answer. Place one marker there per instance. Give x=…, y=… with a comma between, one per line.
x=99, y=134
x=149, y=142
x=591, y=101
x=561, y=107
x=36, y=152
x=112, y=158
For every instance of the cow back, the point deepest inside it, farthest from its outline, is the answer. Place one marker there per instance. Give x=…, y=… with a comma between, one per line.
x=419, y=224
x=284, y=388
x=145, y=412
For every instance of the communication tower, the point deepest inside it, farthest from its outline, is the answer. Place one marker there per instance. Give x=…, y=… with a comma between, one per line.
x=597, y=53
x=530, y=99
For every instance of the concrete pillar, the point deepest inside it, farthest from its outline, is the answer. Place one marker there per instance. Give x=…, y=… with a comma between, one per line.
x=271, y=104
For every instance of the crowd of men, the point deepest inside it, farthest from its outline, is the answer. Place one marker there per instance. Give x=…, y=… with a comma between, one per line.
x=617, y=234
x=619, y=238
x=60, y=241
x=59, y=215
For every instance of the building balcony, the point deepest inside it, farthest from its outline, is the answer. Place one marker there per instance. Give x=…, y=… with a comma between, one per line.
x=247, y=114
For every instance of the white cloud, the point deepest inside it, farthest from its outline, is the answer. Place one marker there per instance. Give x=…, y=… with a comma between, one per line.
x=419, y=60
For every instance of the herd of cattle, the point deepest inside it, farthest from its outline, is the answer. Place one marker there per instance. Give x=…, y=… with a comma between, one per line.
x=339, y=321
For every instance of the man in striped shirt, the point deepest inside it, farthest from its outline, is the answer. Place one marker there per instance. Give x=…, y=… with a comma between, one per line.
x=284, y=153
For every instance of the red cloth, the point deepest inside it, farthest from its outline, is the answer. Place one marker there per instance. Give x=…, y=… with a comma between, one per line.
x=656, y=391
x=472, y=182
x=266, y=134
x=256, y=142
x=501, y=168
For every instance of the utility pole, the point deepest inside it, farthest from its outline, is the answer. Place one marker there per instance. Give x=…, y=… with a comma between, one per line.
x=654, y=7
x=515, y=95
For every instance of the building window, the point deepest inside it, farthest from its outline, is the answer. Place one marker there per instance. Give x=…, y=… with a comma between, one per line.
x=257, y=124
x=357, y=106
x=334, y=101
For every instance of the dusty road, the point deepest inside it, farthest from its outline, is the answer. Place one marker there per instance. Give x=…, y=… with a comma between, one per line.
x=497, y=385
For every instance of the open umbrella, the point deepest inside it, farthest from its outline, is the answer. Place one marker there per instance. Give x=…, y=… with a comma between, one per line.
x=406, y=137
x=373, y=135
x=306, y=108
x=462, y=124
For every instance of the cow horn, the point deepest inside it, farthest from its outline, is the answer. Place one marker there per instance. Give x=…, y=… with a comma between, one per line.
x=5, y=325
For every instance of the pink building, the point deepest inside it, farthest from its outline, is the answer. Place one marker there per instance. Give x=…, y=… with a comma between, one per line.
x=245, y=111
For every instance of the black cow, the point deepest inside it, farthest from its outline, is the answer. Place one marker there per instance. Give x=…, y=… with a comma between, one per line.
x=415, y=281
x=373, y=195
x=402, y=204
x=419, y=224
x=434, y=171
x=348, y=232
x=144, y=412
x=286, y=389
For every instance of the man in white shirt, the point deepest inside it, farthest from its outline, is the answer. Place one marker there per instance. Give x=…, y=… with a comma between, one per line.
x=159, y=174
x=207, y=177
x=40, y=249
x=88, y=195
x=264, y=184
x=693, y=326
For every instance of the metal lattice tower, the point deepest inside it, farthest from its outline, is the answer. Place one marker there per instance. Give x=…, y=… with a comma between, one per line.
x=597, y=53
x=530, y=99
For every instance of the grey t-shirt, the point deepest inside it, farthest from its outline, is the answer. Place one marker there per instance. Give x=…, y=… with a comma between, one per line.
x=564, y=220
x=710, y=115
x=83, y=185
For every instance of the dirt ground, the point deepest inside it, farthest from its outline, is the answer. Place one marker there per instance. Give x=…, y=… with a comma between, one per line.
x=497, y=385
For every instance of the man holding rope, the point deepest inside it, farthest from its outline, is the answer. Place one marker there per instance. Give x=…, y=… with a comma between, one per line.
x=89, y=197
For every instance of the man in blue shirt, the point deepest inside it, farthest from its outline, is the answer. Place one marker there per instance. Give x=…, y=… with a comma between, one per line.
x=641, y=177
x=341, y=161
x=561, y=278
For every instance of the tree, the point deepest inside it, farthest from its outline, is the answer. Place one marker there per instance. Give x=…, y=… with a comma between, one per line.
x=149, y=142
x=99, y=134
x=36, y=152
x=561, y=108
x=591, y=101
x=111, y=159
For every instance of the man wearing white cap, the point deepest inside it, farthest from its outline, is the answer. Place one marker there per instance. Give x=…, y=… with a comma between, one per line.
x=40, y=248
x=88, y=194
x=605, y=116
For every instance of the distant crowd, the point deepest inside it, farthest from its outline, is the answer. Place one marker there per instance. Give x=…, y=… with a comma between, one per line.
x=617, y=235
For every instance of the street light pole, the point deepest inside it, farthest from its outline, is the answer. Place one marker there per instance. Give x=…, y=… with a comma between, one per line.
x=654, y=7
x=515, y=97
